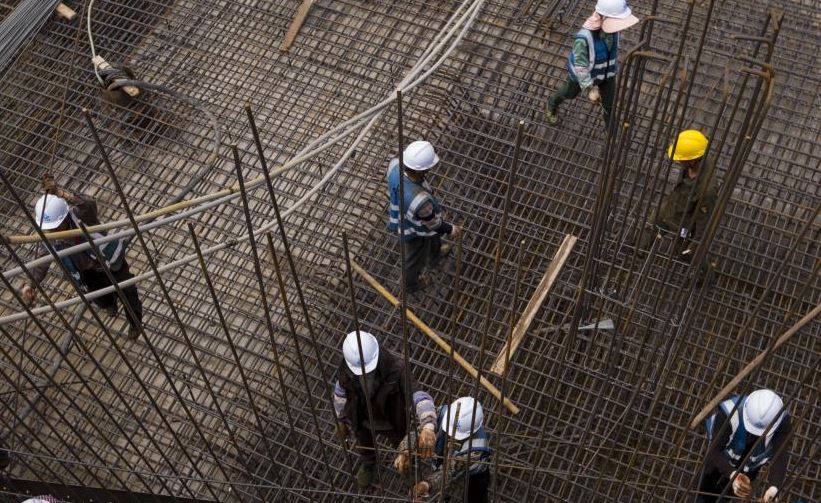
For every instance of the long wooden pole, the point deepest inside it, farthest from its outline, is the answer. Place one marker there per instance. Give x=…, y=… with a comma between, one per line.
x=754, y=364
x=421, y=325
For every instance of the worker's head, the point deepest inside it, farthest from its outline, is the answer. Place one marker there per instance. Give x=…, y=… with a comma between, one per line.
x=51, y=212
x=762, y=408
x=419, y=157
x=459, y=426
x=369, y=355
x=616, y=15
x=690, y=148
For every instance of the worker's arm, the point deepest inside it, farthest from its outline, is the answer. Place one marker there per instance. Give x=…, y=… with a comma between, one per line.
x=431, y=219
x=425, y=410
x=715, y=454
x=778, y=465
x=455, y=470
x=704, y=210
x=340, y=399
x=581, y=62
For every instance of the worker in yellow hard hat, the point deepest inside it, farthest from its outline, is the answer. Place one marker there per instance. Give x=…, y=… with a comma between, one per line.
x=687, y=209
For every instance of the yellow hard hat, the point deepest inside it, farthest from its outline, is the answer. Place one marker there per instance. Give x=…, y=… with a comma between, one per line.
x=691, y=145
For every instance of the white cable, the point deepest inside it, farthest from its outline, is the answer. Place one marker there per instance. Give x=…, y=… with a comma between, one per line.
x=466, y=21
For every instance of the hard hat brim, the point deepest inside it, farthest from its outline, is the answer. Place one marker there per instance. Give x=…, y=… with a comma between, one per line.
x=614, y=24
x=460, y=435
x=752, y=429
x=425, y=168
x=47, y=226
x=369, y=367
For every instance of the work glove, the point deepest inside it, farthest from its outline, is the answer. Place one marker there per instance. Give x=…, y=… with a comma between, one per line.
x=742, y=487
x=770, y=495
x=420, y=491
x=454, y=233
x=29, y=294
x=48, y=183
x=342, y=431
x=594, y=95
x=402, y=462
x=427, y=439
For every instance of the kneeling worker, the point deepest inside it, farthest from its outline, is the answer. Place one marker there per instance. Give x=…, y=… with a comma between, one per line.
x=462, y=441
x=61, y=210
x=383, y=376
x=729, y=446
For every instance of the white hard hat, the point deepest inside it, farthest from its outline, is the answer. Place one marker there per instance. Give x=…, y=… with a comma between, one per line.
x=459, y=428
x=761, y=408
x=41, y=499
x=617, y=15
x=56, y=210
x=370, y=351
x=420, y=156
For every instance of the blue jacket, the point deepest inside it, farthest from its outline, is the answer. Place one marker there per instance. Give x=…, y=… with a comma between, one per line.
x=423, y=213
x=602, y=62
x=734, y=450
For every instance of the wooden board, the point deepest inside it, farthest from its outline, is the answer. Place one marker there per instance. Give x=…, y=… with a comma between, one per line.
x=535, y=303
x=296, y=24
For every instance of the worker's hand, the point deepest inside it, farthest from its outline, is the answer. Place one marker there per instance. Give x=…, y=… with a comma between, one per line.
x=29, y=294
x=770, y=495
x=402, y=462
x=420, y=491
x=457, y=229
x=594, y=95
x=742, y=487
x=427, y=439
x=49, y=185
x=342, y=431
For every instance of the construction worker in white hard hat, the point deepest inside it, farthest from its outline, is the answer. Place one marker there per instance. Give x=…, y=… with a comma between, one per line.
x=60, y=210
x=737, y=452
x=373, y=377
x=593, y=61
x=424, y=224
x=686, y=210
x=459, y=430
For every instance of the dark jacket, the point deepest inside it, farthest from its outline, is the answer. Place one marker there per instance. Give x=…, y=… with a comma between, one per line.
x=692, y=200
x=388, y=402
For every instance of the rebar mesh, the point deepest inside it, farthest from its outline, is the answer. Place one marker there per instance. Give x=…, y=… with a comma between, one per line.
x=604, y=414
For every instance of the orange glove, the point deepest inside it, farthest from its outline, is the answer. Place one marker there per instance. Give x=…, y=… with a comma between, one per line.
x=49, y=185
x=402, y=462
x=427, y=439
x=420, y=491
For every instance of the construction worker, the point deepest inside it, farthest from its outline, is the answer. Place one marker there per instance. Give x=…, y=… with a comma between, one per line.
x=459, y=435
x=687, y=209
x=753, y=415
x=593, y=61
x=60, y=210
x=5, y=459
x=377, y=380
x=424, y=225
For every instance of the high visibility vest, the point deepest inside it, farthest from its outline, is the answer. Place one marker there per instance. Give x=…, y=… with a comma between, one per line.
x=416, y=195
x=603, y=62
x=734, y=450
x=478, y=444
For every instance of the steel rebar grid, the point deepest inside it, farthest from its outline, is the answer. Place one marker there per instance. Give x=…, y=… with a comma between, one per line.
x=470, y=110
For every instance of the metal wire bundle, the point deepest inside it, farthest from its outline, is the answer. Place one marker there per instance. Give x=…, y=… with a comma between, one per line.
x=20, y=26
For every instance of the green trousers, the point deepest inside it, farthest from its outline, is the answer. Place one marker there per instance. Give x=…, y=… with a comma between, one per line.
x=571, y=89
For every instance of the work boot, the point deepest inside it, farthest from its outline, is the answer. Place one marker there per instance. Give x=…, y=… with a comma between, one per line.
x=364, y=475
x=111, y=310
x=551, y=115
x=421, y=283
x=133, y=332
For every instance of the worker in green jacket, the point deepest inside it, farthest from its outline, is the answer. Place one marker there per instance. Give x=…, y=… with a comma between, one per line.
x=687, y=209
x=593, y=61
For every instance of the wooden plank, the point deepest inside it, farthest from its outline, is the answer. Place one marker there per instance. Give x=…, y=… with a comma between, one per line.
x=535, y=303
x=296, y=24
x=421, y=325
x=65, y=12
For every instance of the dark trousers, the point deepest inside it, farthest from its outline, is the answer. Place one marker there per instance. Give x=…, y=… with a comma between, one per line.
x=95, y=279
x=365, y=442
x=419, y=253
x=711, y=485
x=571, y=89
x=477, y=489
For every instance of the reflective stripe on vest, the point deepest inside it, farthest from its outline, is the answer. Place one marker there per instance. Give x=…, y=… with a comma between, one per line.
x=603, y=63
x=416, y=195
x=738, y=436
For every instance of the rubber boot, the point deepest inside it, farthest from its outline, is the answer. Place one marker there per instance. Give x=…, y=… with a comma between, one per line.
x=364, y=475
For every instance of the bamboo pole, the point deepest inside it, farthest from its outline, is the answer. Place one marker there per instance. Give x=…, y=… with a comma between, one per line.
x=422, y=326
